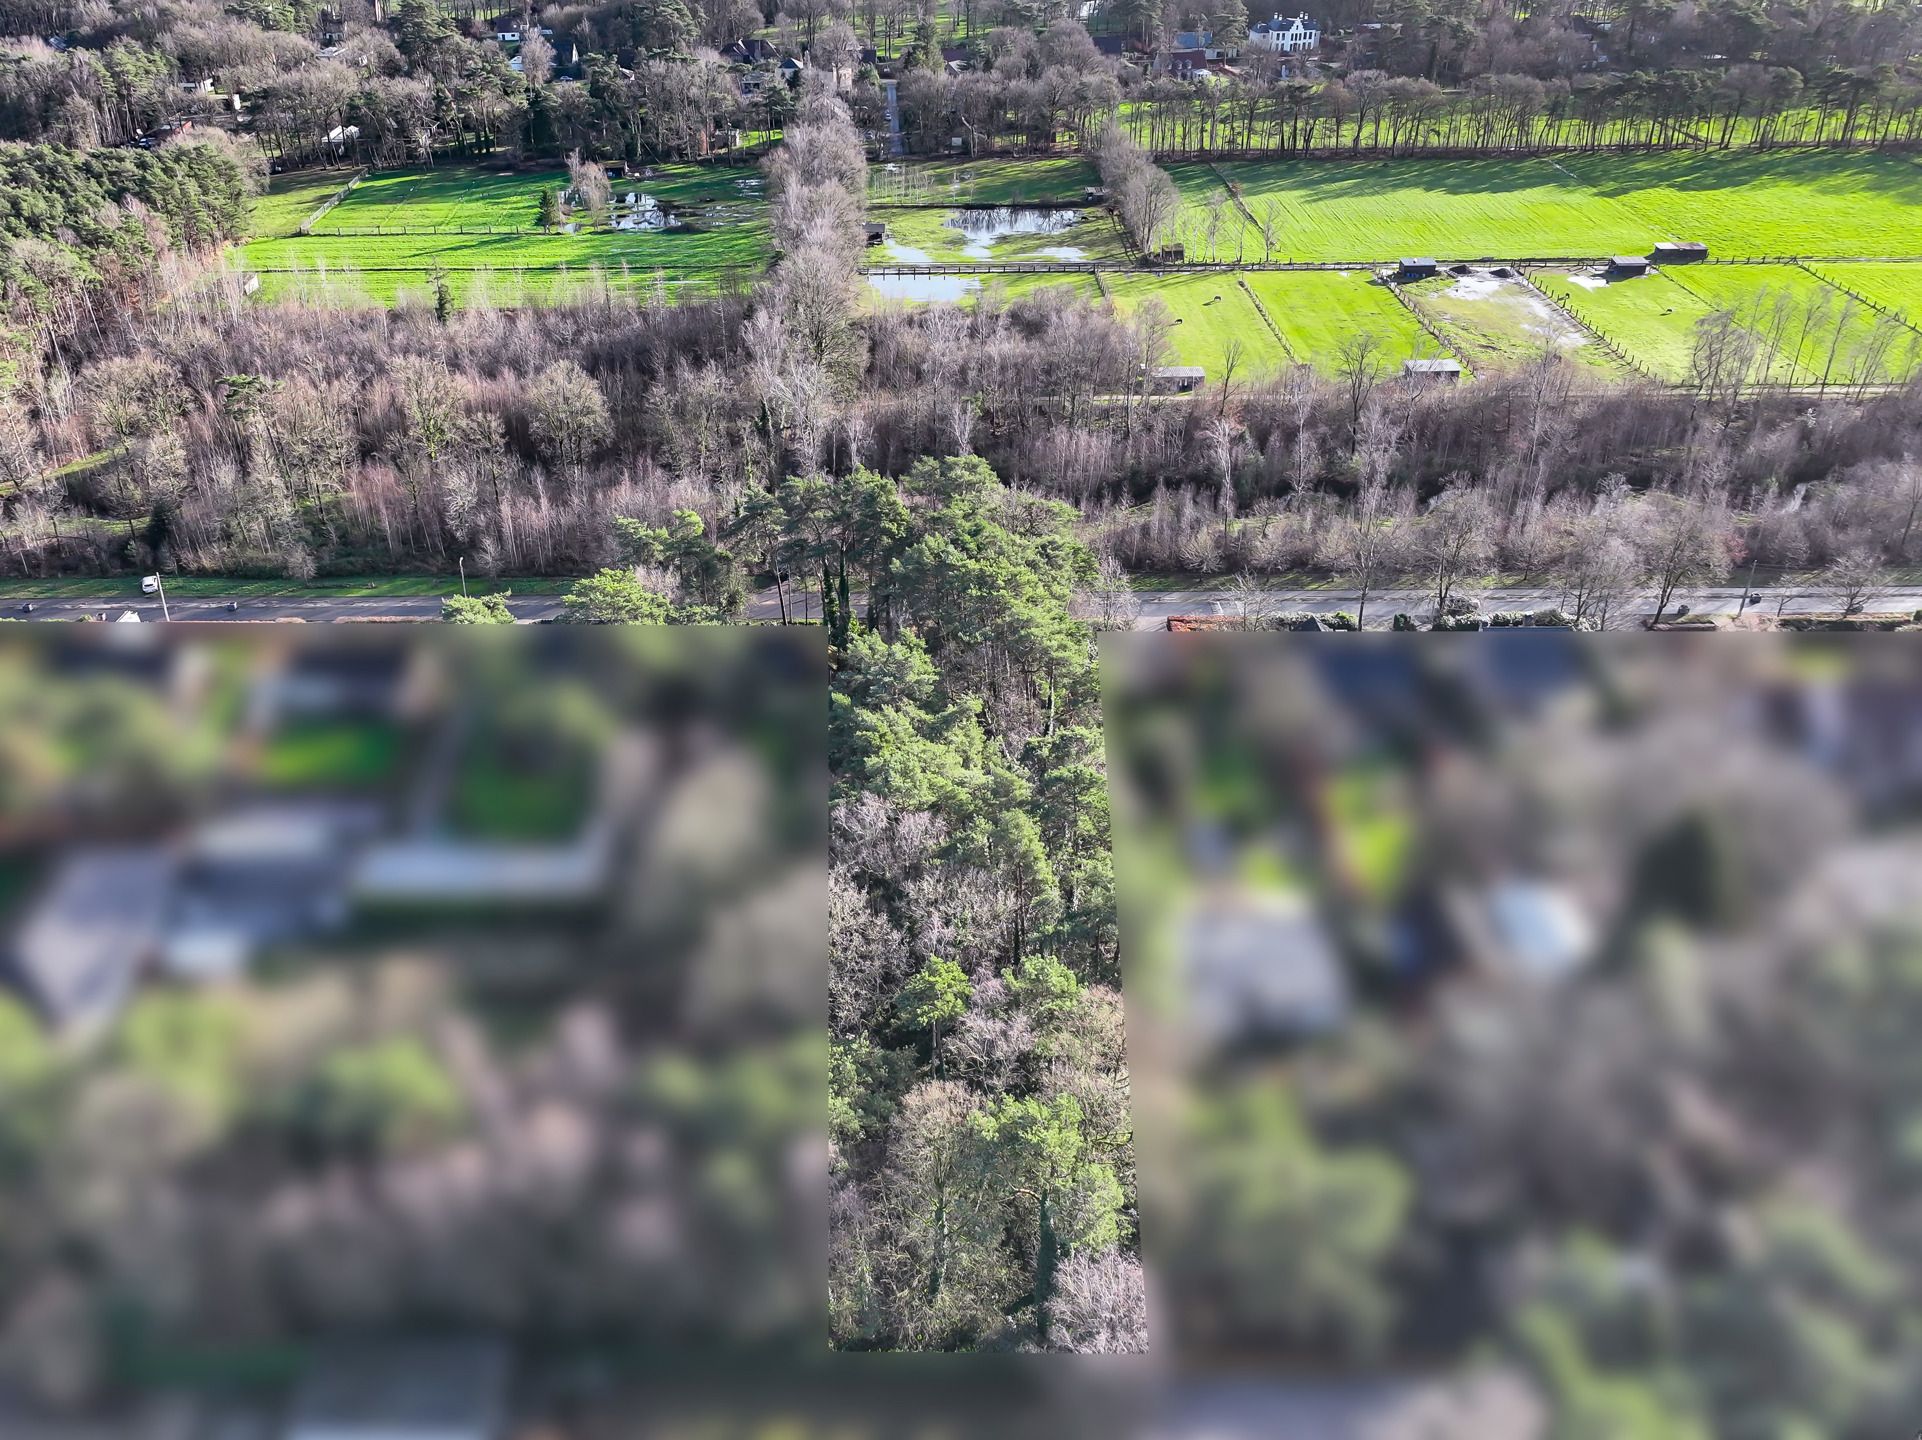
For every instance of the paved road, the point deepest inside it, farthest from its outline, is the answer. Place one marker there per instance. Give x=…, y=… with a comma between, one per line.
x=1156, y=606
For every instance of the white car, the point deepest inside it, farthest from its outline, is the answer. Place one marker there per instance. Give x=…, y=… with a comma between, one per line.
x=149, y=584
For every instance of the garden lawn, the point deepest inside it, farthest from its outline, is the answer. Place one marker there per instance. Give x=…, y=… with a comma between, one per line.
x=1039, y=181
x=1649, y=317
x=496, y=799
x=1202, y=326
x=290, y=199
x=330, y=755
x=1495, y=324
x=1320, y=312
x=1816, y=333
x=1857, y=204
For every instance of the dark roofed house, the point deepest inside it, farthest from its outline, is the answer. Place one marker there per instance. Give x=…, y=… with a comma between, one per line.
x=1111, y=44
x=1628, y=265
x=1678, y=252
x=877, y=231
x=1179, y=378
x=95, y=927
x=1420, y=268
x=506, y=28
x=1431, y=369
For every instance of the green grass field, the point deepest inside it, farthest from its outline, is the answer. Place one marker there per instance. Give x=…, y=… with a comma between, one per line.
x=1206, y=314
x=1649, y=317
x=1825, y=202
x=1320, y=312
x=725, y=233
x=1828, y=203
x=1896, y=285
x=290, y=199
x=1815, y=333
x=1039, y=181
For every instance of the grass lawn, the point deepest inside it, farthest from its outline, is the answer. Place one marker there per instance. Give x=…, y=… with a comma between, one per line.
x=290, y=199
x=498, y=798
x=1495, y=323
x=954, y=237
x=1319, y=312
x=1206, y=313
x=1830, y=203
x=341, y=587
x=330, y=755
x=1815, y=332
x=1650, y=316
x=1039, y=181
x=724, y=232
x=1895, y=285
x=1825, y=202
x=1384, y=209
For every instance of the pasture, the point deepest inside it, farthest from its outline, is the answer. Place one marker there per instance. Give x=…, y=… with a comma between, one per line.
x=1321, y=312
x=1649, y=317
x=1895, y=286
x=1205, y=315
x=1825, y=203
x=1046, y=180
x=395, y=229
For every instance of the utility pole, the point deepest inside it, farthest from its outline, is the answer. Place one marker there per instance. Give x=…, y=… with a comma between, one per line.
x=462, y=562
x=161, y=586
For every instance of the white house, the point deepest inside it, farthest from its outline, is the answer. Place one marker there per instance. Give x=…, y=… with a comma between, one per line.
x=1277, y=36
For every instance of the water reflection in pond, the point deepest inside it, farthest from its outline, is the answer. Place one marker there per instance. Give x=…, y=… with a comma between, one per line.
x=924, y=288
x=985, y=227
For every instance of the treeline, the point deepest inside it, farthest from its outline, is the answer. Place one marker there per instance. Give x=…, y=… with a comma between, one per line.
x=83, y=235
x=229, y=438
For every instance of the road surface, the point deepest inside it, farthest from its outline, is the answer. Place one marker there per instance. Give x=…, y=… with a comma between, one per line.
x=1156, y=606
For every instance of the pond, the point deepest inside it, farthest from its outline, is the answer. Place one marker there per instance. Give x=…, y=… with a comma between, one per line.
x=986, y=227
x=926, y=289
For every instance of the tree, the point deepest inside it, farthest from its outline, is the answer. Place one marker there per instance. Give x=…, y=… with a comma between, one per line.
x=550, y=210
x=1454, y=539
x=613, y=597
x=1684, y=542
x=937, y=994
x=476, y=610
x=1856, y=579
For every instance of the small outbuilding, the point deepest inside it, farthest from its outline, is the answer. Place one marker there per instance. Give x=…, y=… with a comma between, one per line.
x=1417, y=269
x=1426, y=370
x=1625, y=265
x=1179, y=379
x=876, y=231
x=1678, y=252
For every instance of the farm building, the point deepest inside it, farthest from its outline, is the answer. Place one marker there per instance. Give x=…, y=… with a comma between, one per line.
x=1179, y=379
x=1426, y=370
x=1628, y=265
x=876, y=232
x=1678, y=252
x=1417, y=269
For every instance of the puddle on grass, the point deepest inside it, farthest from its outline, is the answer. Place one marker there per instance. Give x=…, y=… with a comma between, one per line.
x=985, y=228
x=906, y=254
x=642, y=212
x=924, y=289
x=1588, y=282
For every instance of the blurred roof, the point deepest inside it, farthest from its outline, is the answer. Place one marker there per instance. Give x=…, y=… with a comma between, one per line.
x=409, y=1390
x=99, y=920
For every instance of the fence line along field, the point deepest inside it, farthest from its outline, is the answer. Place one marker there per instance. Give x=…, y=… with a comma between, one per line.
x=1851, y=315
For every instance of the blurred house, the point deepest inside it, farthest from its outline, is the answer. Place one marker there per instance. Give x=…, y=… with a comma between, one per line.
x=264, y=875
x=84, y=941
x=1259, y=968
x=450, y=1390
x=1515, y=929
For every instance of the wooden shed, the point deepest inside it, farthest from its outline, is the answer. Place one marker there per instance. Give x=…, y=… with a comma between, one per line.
x=1179, y=379
x=876, y=232
x=1426, y=370
x=1678, y=252
x=1417, y=269
x=1625, y=265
